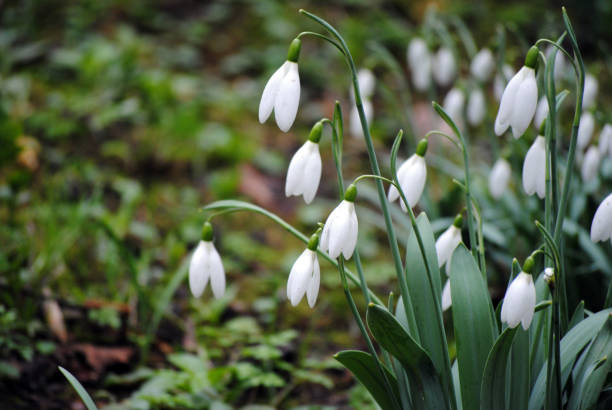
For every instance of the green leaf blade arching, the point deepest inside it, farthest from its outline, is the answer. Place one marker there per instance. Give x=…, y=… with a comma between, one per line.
x=474, y=323
x=494, y=382
x=364, y=368
x=78, y=387
x=425, y=387
x=425, y=293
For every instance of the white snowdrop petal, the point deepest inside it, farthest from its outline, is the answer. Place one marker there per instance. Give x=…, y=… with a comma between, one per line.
x=508, y=102
x=312, y=174
x=534, y=166
x=590, y=164
x=499, y=178
x=413, y=181
x=541, y=112
x=351, y=239
x=313, y=285
x=525, y=104
x=444, y=67
x=529, y=302
x=519, y=302
x=482, y=65
x=266, y=104
x=591, y=87
x=198, y=275
x=446, y=296
x=288, y=98
x=446, y=244
x=585, y=130
x=295, y=172
x=217, y=273
x=601, y=227
x=476, y=109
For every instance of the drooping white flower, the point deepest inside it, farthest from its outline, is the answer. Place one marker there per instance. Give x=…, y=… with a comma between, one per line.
x=282, y=91
x=519, y=302
x=339, y=234
x=304, y=172
x=411, y=176
x=476, y=108
x=590, y=164
x=541, y=112
x=519, y=100
x=605, y=140
x=355, y=121
x=482, y=65
x=446, y=296
x=591, y=86
x=601, y=227
x=448, y=241
x=499, y=178
x=419, y=61
x=367, y=82
x=453, y=105
x=305, y=277
x=585, y=130
x=501, y=79
x=534, y=168
x=444, y=67
x=206, y=265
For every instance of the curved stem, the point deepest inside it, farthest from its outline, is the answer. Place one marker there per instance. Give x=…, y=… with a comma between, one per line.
x=322, y=37
x=246, y=206
x=558, y=46
x=443, y=134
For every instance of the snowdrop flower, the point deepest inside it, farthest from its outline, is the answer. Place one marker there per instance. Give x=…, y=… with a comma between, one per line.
x=448, y=241
x=355, y=121
x=444, y=67
x=534, y=168
x=476, y=109
x=519, y=100
x=601, y=227
x=304, y=173
x=339, y=234
x=305, y=275
x=501, y=79
x=519, y=302
x=453, y=105
x=366, y=81
x=605, y=140
x=206, y=264
x=446, y=296
x=585, y=130
x=549, y=275
x=499, y=178
x=590, y=164
x=591, y=87
x=419, y=61
x=482, y=65
x=411, y=176
x=282, y=91
x=541, y=112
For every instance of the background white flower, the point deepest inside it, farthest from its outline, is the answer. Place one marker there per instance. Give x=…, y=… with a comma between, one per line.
x=585, y=130
x=541, y=112
x=590, y=164
x=444, y=67
x=499, y=178
x=476, y=107
x=591, y=87
x=453, y=104
x=448, y=241
x=419, y=61
x=534, y=168
x=482, y=65
x=206, y=265
x=518, y=103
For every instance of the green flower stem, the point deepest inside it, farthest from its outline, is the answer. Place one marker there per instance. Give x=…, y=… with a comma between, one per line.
x=246, y=206
x=399, y=268
x=478, y=256
x=363, y=330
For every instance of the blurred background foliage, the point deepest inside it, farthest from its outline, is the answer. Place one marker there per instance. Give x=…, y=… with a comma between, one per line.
x=120, y=119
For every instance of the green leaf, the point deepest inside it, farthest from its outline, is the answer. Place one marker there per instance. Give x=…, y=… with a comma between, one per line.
x=520, y=374
x=494, y=382
x=76, y=385
x=571, y=344
x=538, y=331
x=425, y=293
x=594, y=368
x=365, y=369
x=425, y=388
x=474, y=323
x=578, y=315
